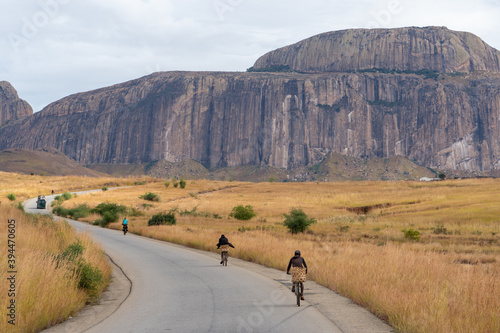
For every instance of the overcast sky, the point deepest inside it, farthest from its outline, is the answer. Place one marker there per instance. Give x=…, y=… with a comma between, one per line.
x=50, y=49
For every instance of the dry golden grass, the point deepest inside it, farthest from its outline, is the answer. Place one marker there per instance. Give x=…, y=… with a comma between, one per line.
x=45, y=294
x=446, y=282
x=26, y=186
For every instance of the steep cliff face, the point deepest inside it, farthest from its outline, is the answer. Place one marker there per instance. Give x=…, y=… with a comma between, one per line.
x=11, y=106
x=283, y=120
x=410, y=49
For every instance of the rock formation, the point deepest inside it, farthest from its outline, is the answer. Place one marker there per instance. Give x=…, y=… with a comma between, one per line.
x=406, y=49
x=11, y=106
x=290, y=120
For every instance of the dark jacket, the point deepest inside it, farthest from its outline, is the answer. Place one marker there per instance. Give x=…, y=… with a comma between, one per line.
x=224, y=241
x=296, y=261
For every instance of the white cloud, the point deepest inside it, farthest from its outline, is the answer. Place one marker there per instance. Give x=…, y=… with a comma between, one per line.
x=53, y=48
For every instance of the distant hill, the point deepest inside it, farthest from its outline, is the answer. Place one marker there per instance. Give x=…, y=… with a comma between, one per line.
x=49, y=162
x=334, y=167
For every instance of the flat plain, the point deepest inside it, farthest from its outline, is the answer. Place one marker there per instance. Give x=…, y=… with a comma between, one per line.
x=424, y=256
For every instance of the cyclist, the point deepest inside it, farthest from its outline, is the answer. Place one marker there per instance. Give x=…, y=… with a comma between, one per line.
x=125, y=224
x=224, y=242
x=297, y=262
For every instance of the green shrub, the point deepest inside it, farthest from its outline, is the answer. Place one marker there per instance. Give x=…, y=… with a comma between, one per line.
x=109, y=213
x=412, y=234
x=163, y=218
x=150, y=197
x=182, y=183
x=74, y=213
x=104, y=188
x=194, y=212
x=11, y=196
x=242, y=212
x=297, y=221
x=107, y=218
x=90, y=278
x=66, y=195
x=73, y=251
x=440, y=229
x=167, y=184
x=106, y=207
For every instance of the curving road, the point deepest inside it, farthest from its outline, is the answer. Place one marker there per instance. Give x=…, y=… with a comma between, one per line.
x=177, y=290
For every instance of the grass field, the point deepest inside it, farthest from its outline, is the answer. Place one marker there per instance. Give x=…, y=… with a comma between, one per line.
x=56, y=270
x=447, y=281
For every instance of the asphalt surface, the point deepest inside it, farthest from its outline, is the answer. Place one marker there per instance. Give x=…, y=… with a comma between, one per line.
x=162, y=287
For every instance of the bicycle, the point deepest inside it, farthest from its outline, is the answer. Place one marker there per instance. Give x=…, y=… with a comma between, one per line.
x=224, y=258
x=298, y=276
x=299, y=290
x=125, y=229
x=223, y=251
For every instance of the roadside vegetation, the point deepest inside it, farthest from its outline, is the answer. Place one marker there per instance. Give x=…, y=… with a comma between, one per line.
x=58, y=271
x=423, y=256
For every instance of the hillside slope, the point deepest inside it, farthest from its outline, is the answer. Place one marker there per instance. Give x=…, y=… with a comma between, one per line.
x=47, y=162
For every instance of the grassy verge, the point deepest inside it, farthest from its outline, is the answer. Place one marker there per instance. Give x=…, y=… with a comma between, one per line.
x=58, y=271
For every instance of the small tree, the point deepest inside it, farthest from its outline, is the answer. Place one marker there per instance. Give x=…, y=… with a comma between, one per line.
x=242, y=212
x=411, y=234
x=182, y=183
x=167, y=184
x=150, y=197
x=297, y=221
x=11, y=196
x=442, y=176
x=163, y=218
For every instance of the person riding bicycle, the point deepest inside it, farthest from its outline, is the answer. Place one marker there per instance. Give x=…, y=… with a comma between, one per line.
x=224, y=243
x=125, y=224
x=299, y=264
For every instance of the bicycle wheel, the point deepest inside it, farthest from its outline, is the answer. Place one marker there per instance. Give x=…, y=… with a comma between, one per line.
x=225, y=259
x=297, y=292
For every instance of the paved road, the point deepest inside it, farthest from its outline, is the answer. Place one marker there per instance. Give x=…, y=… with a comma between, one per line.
x=178, y=290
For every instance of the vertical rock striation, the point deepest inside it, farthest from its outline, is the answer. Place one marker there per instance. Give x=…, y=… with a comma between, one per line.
x=11, y=106
x=406, y=49
x=289, y=120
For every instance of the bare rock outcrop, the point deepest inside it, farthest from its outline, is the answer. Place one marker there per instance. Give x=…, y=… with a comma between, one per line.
x=11, y=106
x=287, y=120
x=405, y=49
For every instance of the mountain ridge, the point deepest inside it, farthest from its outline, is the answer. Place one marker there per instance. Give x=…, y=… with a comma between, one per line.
x=287, y=120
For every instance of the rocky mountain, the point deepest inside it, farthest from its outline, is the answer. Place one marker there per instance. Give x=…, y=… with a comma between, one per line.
x=11, y=106
x=430, y=102
x=405, y=49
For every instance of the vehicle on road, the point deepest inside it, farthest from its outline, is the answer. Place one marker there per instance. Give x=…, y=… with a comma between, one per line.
x=41, y=203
